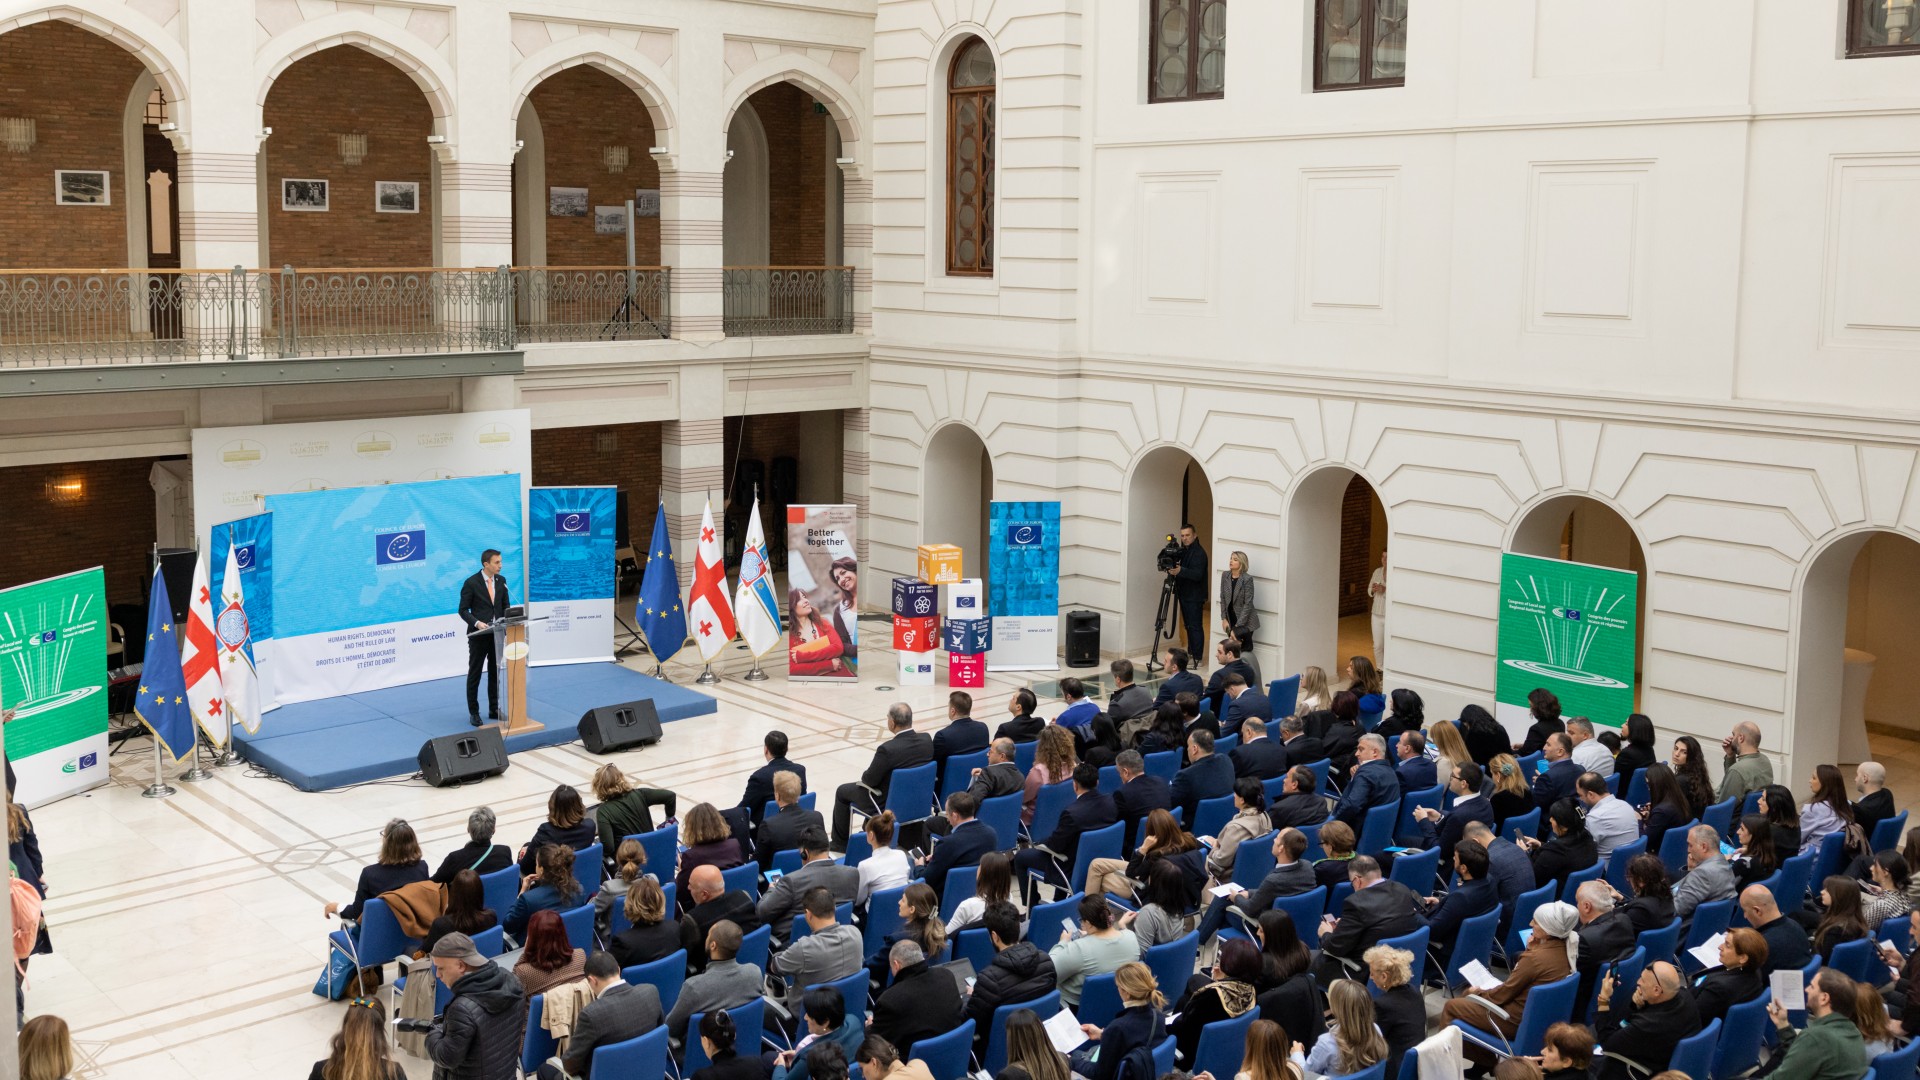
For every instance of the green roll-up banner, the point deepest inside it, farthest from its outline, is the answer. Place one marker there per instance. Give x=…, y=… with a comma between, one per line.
x=1570, y=628
x=53, y=675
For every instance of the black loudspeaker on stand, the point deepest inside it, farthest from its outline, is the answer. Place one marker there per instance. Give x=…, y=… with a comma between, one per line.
x=1083, y=639
x=475, y=755
x=618, y=727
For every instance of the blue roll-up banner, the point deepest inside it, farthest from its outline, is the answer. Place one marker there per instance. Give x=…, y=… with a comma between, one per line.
x=253, y=539
x=1023, y=590
x=570, y=574
x=366, y=581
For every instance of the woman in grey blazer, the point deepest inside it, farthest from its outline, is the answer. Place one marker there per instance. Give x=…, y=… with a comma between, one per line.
x=1237, y=617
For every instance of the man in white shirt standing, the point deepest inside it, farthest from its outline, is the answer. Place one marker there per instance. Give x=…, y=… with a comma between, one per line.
x=1377, y=588
x=1588, y=752
x=1611, y=821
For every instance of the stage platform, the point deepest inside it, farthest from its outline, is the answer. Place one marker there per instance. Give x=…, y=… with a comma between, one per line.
x=346, y=740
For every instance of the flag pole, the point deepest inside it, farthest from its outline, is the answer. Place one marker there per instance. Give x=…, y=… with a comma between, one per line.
x=159, y=788
x=226, y=757
x=756, y=675
x=707, y=677
x=195, y=774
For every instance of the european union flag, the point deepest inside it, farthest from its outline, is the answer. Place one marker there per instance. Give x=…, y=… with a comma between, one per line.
x=162, y=701
x=659, y=614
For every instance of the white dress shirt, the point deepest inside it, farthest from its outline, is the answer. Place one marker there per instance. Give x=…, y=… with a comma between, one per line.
x=1612, y=823
x=1594, y=757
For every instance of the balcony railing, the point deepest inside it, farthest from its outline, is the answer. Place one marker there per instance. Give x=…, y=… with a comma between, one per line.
x=767, y=301
x=591, y=303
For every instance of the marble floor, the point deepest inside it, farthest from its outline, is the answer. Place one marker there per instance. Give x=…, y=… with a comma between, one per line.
x=188, y=931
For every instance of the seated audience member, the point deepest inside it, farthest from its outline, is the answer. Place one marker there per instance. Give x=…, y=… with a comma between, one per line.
x=1474, y=894
x=1244, y=705
x=1446, y=747
x=888, y=867
x=1000, y=777
x=725, y=983
x=1690, y=768
x=467, y=911
x=1366, y=684
x=1374, y=783
x=962, y=735
x=1248, y=822
x=1606, y=934
x=920, y=923
x=1207, y=776
x=968, y=840
x=904, y=749
x=1876, y=802
x=1290, y=876
x=1162, y=915
x=1663, y=1013
x=1179, y=680
x=1589, y=753
x=781, y=830
x=1844, y=920
x=617, y=1013
x=1508, y=866
x=1827, y=811
x=1896, y=891
x=1288, y=993
x=1341, y=737
x=1566, y=1053
x=1054, y=854
x=1166, y=730
x=1299, y=803
x=1548, y=958
x=1257, y=756
x=1100, y=744
x=1054, y=760
x=1337, y=840
x=1378, y=909
x=1353, y=1041
x=554, y=889
x=709, y=842
x=720, y=1038
x=1568, y=848
x=782, y=901
x=1161, y=839
x=831, y=950
x=1651, y=906
x=1709, y=876
x=1610, y=821
x=1636, y=749
x=1229, y=658
x=567, y=823
x=1022, y=726
x=1141, y=1024
x=827, y=1021
x=1544, y=708
x=399, y=864
x=1030, y=1051
x=880, y=1061
x=1484, y=736
x=1140, y=794
x=1788, y=945
x=625, y=810
x=1876, y=1029
x=1560, y=779
x=358, y=1049
x=1754, y=860
x=1405, y=712
x=1776, y=802
x=1666, y=805
x=1739, y=978
x=629, y=866
x=921, y=1003
x=1415, y=770
x=1399, y=1010
x=1127, y=702
x=1097, y=948
x=1301, y=748
x=1511, y=796
x=708, y=904
x=1224, y=994
x=1444, y=829
x=760, y=785
x=992, y=884
x=548, y=959
x=480, y=855
x=1020, y=971
x=653, y=936
x=1830, y=1045
x=1080, y=709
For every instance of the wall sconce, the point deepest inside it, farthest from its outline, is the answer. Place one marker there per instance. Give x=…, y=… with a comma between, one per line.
x=66, y=492
x=17, y=133
x=615, y=157
x=353, y=148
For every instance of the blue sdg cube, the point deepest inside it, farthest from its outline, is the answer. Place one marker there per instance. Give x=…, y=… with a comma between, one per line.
x=915, y=599
x=969, y=636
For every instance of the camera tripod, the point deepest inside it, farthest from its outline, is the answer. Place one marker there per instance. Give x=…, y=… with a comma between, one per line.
x=1169, y=594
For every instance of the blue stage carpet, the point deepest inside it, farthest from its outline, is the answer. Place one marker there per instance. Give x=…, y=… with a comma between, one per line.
x=346, y=740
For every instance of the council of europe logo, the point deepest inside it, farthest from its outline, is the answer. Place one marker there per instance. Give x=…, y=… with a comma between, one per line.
x=1025, y=534
x=572, y=523
x=243, y=556
x=399, y=547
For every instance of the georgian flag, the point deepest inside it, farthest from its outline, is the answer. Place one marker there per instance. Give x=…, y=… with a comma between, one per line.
x=237, y=673
x=754, y=601
x=200, y=660
x=707, y=606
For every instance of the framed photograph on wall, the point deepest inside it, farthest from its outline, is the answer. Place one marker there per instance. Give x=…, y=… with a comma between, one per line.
x=396, y=197
x=307, y=195
x=567, y=202
x=646, y=202
x=610, y=220
x=82, y=187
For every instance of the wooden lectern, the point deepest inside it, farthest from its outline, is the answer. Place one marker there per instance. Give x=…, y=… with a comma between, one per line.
x=510, y=645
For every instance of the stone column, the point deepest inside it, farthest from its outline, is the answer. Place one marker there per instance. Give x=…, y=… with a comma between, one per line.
x=476, y=213
x=692, y=469
x=856, y=230
x=690, y=246
x=855, y=467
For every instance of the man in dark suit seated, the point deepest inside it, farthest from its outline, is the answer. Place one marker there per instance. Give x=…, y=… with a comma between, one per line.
x=1416, y=771
x=967, y=840
x=1023, y=726
x=1053, y=855
x=617, y=1013
x=1445, y=830
x=906, y=749
x=1207, y=776
x=1378, y=909
x=1195, y=716
x=1179, y=680
x=962, y=735
x=1299, y=804
x=1230, y=657
x=1663, y=1013
x=1290, y=876
x=1301, y=748
x=1244, y=704
x=483, y=602
x=1127, y=700
x=1560, y=781
x=922, y=1003
x=1258, y=756
x=1474, y=894
x=708, y=902
x=1140, y=794
x=783, y=830
x=760, y=785
x=1606, y=934
x=1374, y=784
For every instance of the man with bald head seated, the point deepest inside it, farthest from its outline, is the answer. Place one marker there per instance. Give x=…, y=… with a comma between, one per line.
x=708, y=902
x=1747, y=769
x=1876, y=802
x=1663, y=1013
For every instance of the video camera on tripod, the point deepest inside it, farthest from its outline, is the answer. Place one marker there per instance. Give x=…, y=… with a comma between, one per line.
x=1167, y=558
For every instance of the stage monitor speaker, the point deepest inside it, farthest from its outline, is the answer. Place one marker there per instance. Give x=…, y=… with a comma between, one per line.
x=1083, y=639
x=473, y=755
x=618, y=727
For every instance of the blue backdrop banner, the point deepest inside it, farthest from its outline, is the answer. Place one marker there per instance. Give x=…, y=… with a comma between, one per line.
x=570, y=573
x=366, y=581
x=253, y=536
x=1023, y=584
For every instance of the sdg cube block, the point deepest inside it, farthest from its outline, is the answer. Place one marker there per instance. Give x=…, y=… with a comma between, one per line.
x=916, y=669
x=916, y=635
x=966, y=599
x=915, y=599
x=966, y=671
x=969, y=636
x=939, y=564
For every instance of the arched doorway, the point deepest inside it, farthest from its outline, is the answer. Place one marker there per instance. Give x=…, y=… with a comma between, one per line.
x=1856, y=646
x=956, y=486
x=1336, y=537
x=1168, y=488
x=1582, y=529
x=584, y=134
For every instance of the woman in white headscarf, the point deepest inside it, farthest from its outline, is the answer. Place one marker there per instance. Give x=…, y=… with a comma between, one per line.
x=1549, y=956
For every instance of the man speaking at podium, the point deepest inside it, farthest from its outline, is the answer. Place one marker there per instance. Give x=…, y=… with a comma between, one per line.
x=483, y=600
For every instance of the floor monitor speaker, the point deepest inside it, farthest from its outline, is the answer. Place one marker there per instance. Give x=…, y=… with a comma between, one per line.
x=1083, y=639
x=617, y=727
x=471, y=755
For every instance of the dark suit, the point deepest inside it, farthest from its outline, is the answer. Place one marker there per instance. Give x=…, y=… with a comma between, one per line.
x=922, y=1002
x=620, y=1013
x=1180, y=682
x=1341, y=741
x=1304, y=750
x=963, y=847
x=1510, y=869
x=1374, y=784
x=997, y=779
x=1300, y=808
x=1560, y=781
x=1137, y=798
x=1602, y=941
x=1646, y=1034
x=964, y=736
x=1416, y=774
x=1208, y=778
x=1462, y=902
x=478, y=605
x=1263, y=758
x=1190, y=587
x=760, y=786
x=1250, y=705
x=735, y=907
x=1083, y=815
x=1023, y=728
x=1453, y=825
x=1217, y=682
x=906, y=750
x=1383, y=910
x=781, y=832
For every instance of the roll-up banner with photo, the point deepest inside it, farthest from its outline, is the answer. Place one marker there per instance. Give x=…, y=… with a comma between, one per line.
x=251, y=539
x=823, y=603
x=570, y=574
x=1566, y=627
x=1023, y=585
x=53, y=675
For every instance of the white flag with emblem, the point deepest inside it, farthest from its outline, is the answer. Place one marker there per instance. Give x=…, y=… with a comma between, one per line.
x=754, y=604
x=238, y=676
x=200, y=660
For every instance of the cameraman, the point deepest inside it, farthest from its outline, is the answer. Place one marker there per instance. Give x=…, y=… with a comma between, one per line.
x=1190, y=587
x=479, y=1034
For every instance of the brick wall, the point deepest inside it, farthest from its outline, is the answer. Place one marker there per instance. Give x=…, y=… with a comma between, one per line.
x=111, y=526
x=344, y=90
x=74, y=84
x=582, y=111
x=1356, y=545
x=796, y=182
x=573, y=457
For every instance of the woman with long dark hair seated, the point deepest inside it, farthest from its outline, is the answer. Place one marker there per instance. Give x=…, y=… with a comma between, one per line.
x=1690, y=768
x=1636, y=749
x=1228, y=993
x=1666, y=806
x=1756, y=859
x=1844, y=920
x=1486, y=739
x=1405, y=713
x=1776, y=801
x=467, y=911
x=1651, y=907
x=567, y=823
x=1570, y=848
x=1288, y=992
x=554, y=888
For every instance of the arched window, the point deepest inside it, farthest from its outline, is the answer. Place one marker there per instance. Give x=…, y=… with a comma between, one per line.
x=970, y=134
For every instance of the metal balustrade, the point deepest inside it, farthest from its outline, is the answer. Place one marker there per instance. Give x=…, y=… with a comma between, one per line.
x=591, y=303
x=768, y=301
